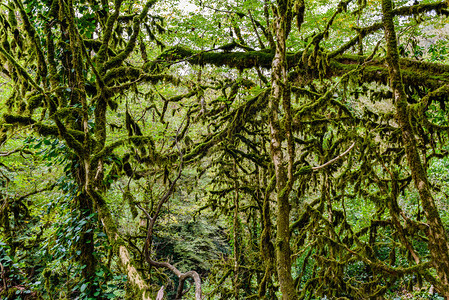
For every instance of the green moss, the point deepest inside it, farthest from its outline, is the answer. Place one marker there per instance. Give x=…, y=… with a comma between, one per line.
x=199, y=149
x=68, y=111
x=18, y=119
x=35, y=102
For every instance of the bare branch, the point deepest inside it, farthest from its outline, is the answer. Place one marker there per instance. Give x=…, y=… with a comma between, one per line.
x=334, y=159
x=20, y=150
x=144, y=211
x=48, y=188
x=182, y=277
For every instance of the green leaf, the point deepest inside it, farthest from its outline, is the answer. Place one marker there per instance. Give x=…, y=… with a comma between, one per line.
x=83, y=287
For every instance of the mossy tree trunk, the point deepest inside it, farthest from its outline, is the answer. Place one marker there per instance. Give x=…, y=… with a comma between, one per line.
x=266, y=246
x=73, y=60
x=237, y=239
x=280, y=132
x=6, y=224
x=75, y=116
x=438, y=240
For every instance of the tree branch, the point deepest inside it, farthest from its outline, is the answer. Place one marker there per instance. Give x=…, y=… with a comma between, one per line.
x=334, y=159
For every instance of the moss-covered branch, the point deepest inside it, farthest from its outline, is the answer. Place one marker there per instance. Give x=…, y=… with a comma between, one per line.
x=120, y=57
x=415, y=73
x=24, y=73
x=107, y=34
x=42, y=65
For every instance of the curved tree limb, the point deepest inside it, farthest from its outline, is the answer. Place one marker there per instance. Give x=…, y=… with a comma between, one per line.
x=334, y=159
x=182, y=278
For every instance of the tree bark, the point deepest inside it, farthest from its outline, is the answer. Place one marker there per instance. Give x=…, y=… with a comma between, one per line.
x=438, y=241
x=280, y=93
x=237, y=238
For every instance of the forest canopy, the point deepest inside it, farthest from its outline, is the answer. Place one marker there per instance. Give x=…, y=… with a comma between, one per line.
x=275, y=149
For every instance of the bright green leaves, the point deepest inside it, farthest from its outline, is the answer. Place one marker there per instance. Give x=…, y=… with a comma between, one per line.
x=438, y=51
x=51, y=150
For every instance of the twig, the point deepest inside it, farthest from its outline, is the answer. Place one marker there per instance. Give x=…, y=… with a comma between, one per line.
x=144, y=211
x=255, y=29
